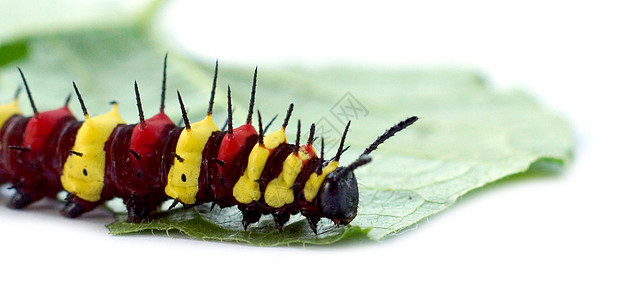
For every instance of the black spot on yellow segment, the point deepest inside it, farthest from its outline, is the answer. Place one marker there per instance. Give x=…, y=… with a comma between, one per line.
x=183, y=178
x=84, y=172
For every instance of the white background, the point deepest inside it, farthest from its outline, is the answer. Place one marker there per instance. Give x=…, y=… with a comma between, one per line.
x=551, y=237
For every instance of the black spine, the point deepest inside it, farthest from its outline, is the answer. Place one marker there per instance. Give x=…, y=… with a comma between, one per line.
x=340, y=151
x=297, y=137
x=252, y=95
x=77, y=92
x=17, y=92
x=311, y=135
x=67, y=100
x=186, y=121
x=163, y=96
x=213, y=91
x=289, y=112
x=361, y=161
x=270, y=123
x=260, y=128
x=389, y=133
x=230, y=110
x=32, y=104
x=139, y=105
x=322, y=147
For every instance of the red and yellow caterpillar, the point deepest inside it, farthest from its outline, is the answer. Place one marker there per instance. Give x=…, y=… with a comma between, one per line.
x=147, y=163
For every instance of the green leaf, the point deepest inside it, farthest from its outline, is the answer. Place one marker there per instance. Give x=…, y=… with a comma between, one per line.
x=469, y=134
x=225, y=225
x=13, y=51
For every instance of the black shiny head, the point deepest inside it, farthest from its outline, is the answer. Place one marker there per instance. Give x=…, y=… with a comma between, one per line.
x=338, y=197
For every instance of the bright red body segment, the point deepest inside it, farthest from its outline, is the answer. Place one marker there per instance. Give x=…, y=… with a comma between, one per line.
x=147, y=138
x=41, y=127
x=232, y=144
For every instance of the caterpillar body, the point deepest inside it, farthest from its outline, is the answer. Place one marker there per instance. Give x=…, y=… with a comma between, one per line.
x=147, y=163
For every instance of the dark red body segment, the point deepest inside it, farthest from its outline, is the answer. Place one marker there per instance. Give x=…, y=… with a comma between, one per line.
x=12, y=133
x=33, y=165
x=141, y=185
x=209, y=166
x=64, y=143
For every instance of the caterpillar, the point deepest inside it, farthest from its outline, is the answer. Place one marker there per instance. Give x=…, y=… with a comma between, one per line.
x=145, y=164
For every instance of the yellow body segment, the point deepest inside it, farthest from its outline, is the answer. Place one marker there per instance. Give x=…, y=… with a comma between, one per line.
x=311, y=188
x=183, y=176
x=279, y=191
x=84, y=175
x=8, y=110
x=246, y=189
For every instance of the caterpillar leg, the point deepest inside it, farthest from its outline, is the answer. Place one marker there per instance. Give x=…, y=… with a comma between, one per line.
x=251, y=214
x=21, y=200
x=26, y=194
x=254, y=215
x=312, y=222
x=76, y=207
x=137, y=212
x=141, y=208
x=280, y=218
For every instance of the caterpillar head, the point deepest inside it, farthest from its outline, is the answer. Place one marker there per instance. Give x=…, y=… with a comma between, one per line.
x=338, y=196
